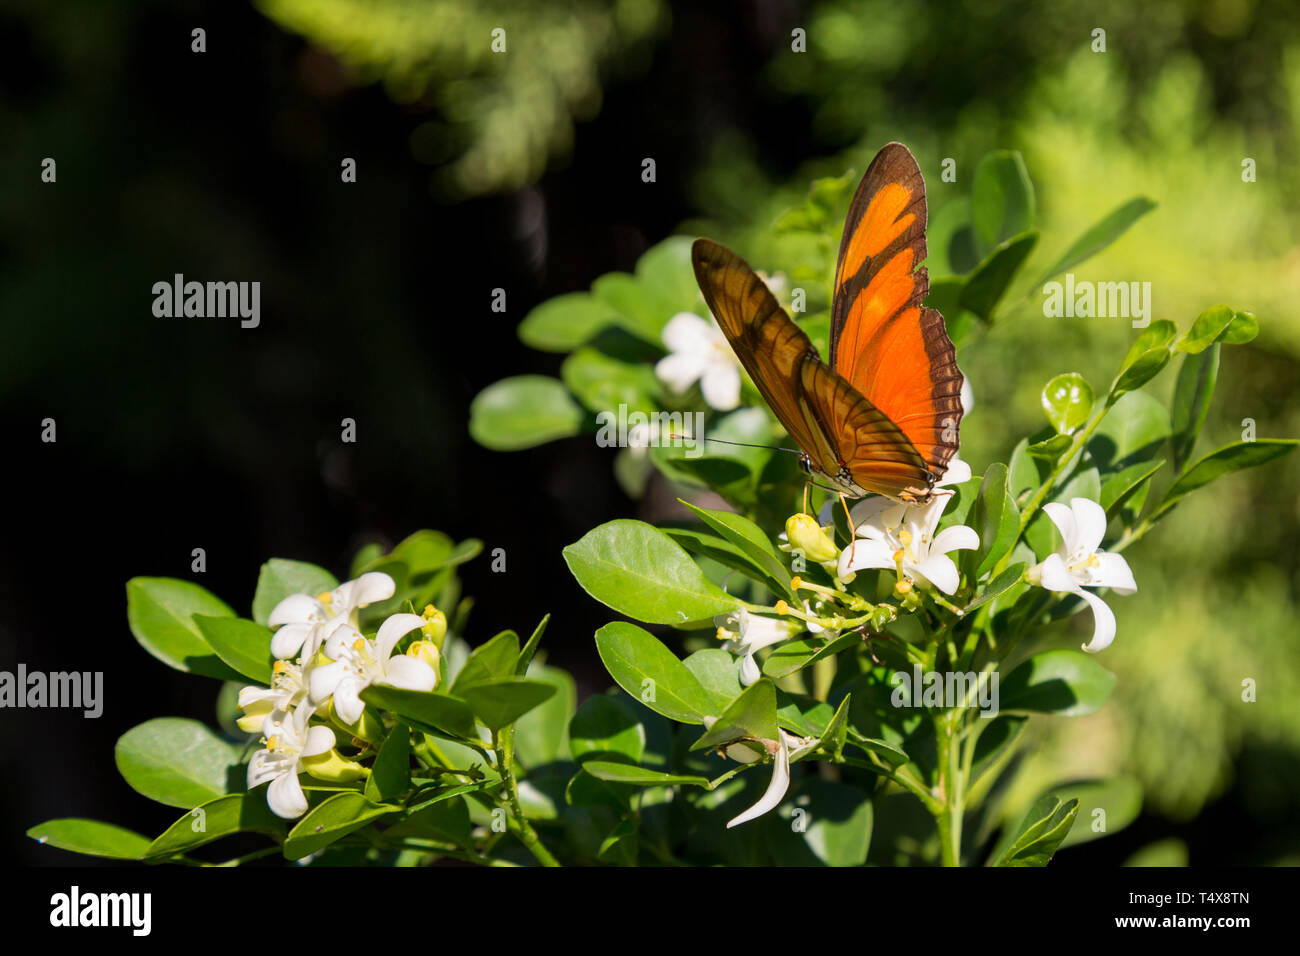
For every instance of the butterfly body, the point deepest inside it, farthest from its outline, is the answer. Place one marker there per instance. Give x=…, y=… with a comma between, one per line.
x=882, y=417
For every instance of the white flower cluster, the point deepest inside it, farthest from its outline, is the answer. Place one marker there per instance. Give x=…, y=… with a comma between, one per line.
x=323, y=663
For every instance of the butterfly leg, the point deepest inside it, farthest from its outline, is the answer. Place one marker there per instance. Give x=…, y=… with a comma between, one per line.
x=853, y=531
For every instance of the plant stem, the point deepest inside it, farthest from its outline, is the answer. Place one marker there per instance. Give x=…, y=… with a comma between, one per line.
x=952, y=789
x=504, y=745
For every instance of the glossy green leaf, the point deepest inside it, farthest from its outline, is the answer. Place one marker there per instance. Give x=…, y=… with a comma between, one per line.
x=447, y=821
x=1067, y=400
x=1128, y=487
x=1064, y=682
x=242, y=644
x=793, y=656
x=639, y=776
x=751, y=716
x=280, y=578
x=522, y=412
x=750, y=539
x=988, y=283
x=542, y=734
x=178, y=762
x=996, y=520
x=718, y=673
x=1100, y=235
x=1002, y=199
x=603, y=728
x=639, y=571
x=1242, y=329
x=651, y=673
x=1191, y=404
x=1229, y=458
x=562, y=323
x=602, y=382
x=1206, y=330
x=1049, y=449
x=492, y=660
x=331, y=820
x=222, y=817
x=1133, y=431
x=824, y=824
x=91, y=837
x=390, y=775
x=1041, y=832
x=1105, y=806
x=499, y=703
x=428, y=711
x=998, y=586
x=160, y=612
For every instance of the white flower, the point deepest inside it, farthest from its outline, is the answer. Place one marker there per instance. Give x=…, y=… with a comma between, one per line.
x=288, y=689
x=356, y=663
x=1078, y=564
x=288, y=740
x=788, y=748
x=896, y=535
x=753, y=633
x=698, y=351
x=301, y=618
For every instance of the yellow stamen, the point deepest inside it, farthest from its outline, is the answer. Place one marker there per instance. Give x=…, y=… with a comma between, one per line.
x=782, y=607
x=899, y=555
x=903, y=587
x=279, y=667
x=326, y=598
x=796, y=583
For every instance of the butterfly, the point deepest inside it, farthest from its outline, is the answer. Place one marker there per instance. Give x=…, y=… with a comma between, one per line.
x=882, y=416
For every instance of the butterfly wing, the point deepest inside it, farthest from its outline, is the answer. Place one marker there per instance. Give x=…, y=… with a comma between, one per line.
x=835, y=426
x=892, y=349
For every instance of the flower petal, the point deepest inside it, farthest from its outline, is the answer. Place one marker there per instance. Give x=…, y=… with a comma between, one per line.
x=958, y=471
x=295, y=609
x=940, y=571
x=720, y=386
x=347, y=699
x=1055, y=576
x=1089, y=523
x=956, y=538
x=319, y=740
x=1103, y=630
x=865, y=553
x=285, y=796
x=288, y=640
x=680, y=370
x=324, y=680
x=776, y=789
x=687, y=332
x=1114, y=573
x=1063, y=518
x=749, y=672
x=410, y=673
x=371, y=587
x=393, y=630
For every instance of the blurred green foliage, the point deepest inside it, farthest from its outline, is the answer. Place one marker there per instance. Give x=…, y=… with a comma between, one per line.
x=505, y=79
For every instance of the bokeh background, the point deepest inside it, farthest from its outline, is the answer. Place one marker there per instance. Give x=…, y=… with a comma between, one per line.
x=522, y=172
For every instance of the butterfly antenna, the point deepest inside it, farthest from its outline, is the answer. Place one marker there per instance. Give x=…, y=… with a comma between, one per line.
x=744, y=444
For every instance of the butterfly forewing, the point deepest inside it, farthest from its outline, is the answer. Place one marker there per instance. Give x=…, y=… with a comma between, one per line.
x=894, y=351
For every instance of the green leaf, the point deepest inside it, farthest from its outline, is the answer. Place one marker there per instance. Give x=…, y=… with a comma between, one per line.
x=1229, y=458
x=668, y=278
x=331, y=820
x=1064, y=682
x=542, y=734
x=602, y=382
x=499, y=703
x=428, y=711
x=999, y=585
x=651, y=673
x=279, y=578
x=1163, y=853
x=178, y=762
x=493, y=660
x=1145, y=368
x=1100, y=235
x=1242, y=329
x=1128, y=485
x=718, y=673
x=447, y=820
x=834, y=828
x=793, y=656
x=1049, y=449
x=1206, y=330
x=242, y=644
x=751, y=540
x=1067, y=399
x=1132, y=431
x=639, y=571
x=160, y=612
x=1022, y=473
x=985, y=286
x=1119, y=799
x=634, y=305
x=1002, y=199
x=390, y=776
x=603, y=728
x=836, y=733
x=639, y=776
x=751, y=716
x=996, y=519
x=1191, y=404
x=522, y=412
x=1040, y=833
x=530, y=648
x=717, y=548
x=620, y=847
x=91, y=837
x=222, y=817
x=563, y=323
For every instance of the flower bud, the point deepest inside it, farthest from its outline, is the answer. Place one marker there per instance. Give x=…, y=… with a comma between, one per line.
x=427, y=651
x=805, y=534
x=332, y=767
x=435, y=625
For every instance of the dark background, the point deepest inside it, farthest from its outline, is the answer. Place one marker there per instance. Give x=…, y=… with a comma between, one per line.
x=182, y=433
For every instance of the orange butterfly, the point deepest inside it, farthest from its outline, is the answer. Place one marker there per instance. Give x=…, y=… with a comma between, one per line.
x=882, y=417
